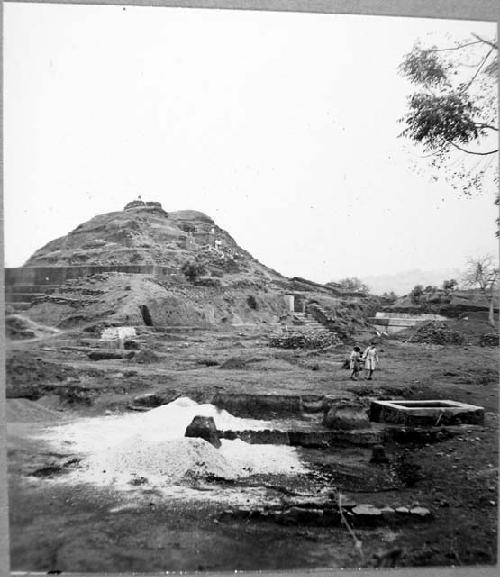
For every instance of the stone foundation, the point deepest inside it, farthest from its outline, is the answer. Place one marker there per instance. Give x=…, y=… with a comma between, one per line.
x=425, y=413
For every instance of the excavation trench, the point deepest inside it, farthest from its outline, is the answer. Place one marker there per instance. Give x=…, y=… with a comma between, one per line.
x=297, y=421
x=150, y=447
x=284, y=471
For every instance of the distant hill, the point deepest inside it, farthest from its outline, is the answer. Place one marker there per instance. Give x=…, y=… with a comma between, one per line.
x=403, y=282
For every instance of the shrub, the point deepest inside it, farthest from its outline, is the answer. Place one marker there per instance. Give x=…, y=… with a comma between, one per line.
x=252, y=303
x=192, y=270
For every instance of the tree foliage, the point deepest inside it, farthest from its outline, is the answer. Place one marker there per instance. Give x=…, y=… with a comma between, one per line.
x=390, y=296
x=416, y=294
x=452, y=115
x=351, y=284
x=450, y=284
x=481, y=273
x=192, y=270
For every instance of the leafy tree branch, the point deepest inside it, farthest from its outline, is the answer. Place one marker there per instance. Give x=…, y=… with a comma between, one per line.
x=452, y=114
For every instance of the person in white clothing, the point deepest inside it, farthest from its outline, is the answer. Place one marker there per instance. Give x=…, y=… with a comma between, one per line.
x=370, y=357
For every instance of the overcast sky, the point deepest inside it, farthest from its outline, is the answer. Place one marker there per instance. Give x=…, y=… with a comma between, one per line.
x=282, y=127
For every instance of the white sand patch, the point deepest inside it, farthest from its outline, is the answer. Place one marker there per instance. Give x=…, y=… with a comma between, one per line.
x=120, y=449
x=160, y=424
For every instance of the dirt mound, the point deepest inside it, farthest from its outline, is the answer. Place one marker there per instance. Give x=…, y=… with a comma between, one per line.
x=20, y=327
x=129, y=299
x=26, y=411
x=173, y=460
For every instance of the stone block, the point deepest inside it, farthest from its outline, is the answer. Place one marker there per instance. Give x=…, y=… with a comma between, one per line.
x=425, y=413
x=204, y=428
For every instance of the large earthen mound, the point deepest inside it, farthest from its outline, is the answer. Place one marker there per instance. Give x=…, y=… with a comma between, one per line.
x=144, y=234
x=143, y=265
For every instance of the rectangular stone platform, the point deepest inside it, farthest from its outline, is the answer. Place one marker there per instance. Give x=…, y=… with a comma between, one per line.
x=425, y=413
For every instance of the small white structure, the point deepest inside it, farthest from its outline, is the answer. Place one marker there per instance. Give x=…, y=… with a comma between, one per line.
x=116, y=336
x=290, y=302
x=396, y=322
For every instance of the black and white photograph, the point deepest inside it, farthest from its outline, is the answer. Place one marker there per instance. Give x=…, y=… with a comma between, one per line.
x=251, y=290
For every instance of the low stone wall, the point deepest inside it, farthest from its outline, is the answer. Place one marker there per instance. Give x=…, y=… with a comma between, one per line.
x=24, y=284
x=409, y=316
x=396, y=322
x=57, y=275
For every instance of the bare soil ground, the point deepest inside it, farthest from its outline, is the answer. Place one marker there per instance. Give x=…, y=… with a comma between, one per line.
x=84, y=528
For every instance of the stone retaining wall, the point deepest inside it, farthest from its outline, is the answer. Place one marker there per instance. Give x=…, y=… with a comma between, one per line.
x=395, y=322
x=22, y=284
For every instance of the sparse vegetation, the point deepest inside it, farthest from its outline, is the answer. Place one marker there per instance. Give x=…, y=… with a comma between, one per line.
x=192, y=270
x=350, y=284
x=252, y=302
x=416, y=294
x=452, y=115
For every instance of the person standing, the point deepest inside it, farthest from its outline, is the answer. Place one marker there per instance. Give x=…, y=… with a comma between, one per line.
x=370, y=357
x=354, y=363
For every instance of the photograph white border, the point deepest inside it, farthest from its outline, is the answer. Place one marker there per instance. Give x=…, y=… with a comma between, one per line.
x=475, y=10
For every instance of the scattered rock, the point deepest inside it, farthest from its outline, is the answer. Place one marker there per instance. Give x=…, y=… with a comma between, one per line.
x=421, y=512
x=366, y=510
x=204, y=428
x=402, y=510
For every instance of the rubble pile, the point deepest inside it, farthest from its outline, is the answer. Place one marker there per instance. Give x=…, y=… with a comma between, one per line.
x=436, y=333
x=489, y=340
x=304, y=340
